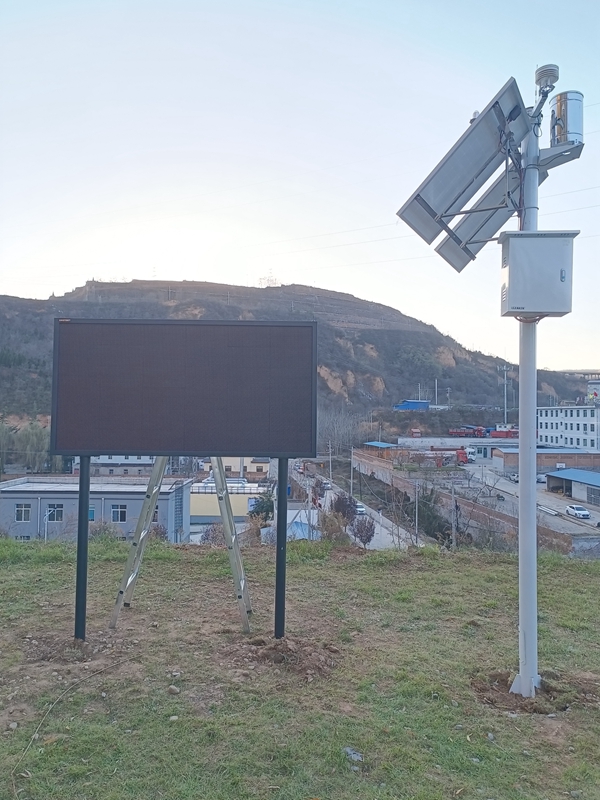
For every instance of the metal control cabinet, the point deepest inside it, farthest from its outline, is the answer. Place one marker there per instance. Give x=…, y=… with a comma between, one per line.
x=537, y=273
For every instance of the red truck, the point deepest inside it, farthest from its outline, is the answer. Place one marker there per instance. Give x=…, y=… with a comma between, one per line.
x=471, y=430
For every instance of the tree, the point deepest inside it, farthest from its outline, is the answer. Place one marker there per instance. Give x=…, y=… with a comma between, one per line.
x=344, y=505
x=363, y=530
x=32, y=443
x=264, y=507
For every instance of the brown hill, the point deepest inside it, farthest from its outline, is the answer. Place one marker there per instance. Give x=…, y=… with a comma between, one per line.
x=369, y=355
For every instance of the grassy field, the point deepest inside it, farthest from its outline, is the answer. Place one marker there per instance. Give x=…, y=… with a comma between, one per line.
x=404, y=658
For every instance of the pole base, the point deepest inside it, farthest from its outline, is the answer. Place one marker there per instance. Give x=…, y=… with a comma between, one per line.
x=525, y=686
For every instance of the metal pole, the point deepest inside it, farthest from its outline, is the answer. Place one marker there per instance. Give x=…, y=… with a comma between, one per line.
x=282, y=483
x=351, y=471
x=416, y=512
x=453, y=519
x=82, y=547
x=436, y=398
x=330, y=471
x=528, y=680
x=505, y=410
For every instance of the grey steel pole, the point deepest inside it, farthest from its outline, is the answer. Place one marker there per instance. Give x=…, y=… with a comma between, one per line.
x=282, y=504
x=82, y=547
x=351, y=471
x=528, y=679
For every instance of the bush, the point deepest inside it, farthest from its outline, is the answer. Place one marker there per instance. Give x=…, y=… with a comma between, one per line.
x=363, y=530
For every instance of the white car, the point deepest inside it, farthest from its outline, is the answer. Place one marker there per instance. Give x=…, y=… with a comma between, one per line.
x=578, y=511
x=360, y=509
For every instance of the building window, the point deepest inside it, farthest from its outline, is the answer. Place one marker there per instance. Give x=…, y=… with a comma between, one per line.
x=592, y=427
x=23, y=512
x=585, y=442
x=592, y=414
x=96, y=471
x=546, y=438
x=571, y=424
x=552, y=439
x=155, y=515
x=227, y=469
x=260, y=469
x=571, y=413
x=139, y=471
x=126, y=458
x=55, y=512
x=578, y=442
x=571, y=440
x=546, y=414
x=577, y=412
x=111, y=472
x=110, y=458
x=577, y=425
x=125, y=472
x=139, y=458
x=92, y=514
x=585, y=427
x=584, y=413
x=119, y=513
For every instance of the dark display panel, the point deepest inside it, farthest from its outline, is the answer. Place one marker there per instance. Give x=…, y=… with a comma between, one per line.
x=140, y=387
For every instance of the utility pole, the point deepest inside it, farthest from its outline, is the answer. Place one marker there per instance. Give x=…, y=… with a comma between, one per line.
x=330, y=469
x=436, y=398
x=351, y=471
x=505, y=369
x=453, y=519
x=417, y=512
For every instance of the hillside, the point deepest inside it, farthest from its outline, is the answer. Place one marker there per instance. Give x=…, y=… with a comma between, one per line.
x=370, y=355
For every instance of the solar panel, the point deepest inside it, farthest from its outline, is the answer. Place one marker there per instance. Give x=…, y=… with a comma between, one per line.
x=463, y=171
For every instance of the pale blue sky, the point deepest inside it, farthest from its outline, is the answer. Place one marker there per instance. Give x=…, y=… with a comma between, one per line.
x=229, y=141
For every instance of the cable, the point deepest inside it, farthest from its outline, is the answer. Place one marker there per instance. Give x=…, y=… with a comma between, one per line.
x=318, y=235
x=567, y=210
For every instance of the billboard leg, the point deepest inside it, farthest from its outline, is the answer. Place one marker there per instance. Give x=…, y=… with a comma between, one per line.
x=140, y=537
x=82, y=547
x=282, y=504
x=231, y=540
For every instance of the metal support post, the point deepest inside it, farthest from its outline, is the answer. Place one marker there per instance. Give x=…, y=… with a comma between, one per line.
x=83, y=523
x=140, y=537
x=231, y=540
x=453, y=519
x=351, y=471
x=528, y=680
x=417, y=512
x=282, y=482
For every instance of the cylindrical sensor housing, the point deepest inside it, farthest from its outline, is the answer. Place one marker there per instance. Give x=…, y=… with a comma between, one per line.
x=566, y=118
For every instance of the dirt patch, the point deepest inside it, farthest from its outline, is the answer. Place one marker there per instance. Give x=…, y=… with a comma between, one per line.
x=300, y=656
x=558, y=692
x=60, y=649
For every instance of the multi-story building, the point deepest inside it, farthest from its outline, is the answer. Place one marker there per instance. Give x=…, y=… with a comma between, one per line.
x=569, y=426
x=117, y=465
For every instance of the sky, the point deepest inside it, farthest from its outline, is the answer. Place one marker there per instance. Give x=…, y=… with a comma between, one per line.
x=247, y=141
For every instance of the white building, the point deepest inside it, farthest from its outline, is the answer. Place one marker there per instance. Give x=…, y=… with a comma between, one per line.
x=117, y=465
x=569, y=426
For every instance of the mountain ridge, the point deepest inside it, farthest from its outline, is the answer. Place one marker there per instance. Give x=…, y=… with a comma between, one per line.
x=369, y=355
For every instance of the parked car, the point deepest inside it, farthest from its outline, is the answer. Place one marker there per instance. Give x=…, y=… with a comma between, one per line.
x=578, y=511
x=326, y=485
x=514, y=477
x=541, y=479
x=360, y=509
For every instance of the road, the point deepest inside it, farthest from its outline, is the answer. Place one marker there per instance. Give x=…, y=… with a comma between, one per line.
x=482, y=473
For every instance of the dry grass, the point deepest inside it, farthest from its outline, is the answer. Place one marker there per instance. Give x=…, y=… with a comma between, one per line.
x=404, y=657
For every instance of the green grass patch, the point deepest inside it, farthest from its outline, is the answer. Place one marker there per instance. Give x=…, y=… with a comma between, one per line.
x=396, y=656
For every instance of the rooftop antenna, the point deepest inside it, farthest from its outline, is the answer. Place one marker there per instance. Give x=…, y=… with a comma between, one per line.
x=536, y=269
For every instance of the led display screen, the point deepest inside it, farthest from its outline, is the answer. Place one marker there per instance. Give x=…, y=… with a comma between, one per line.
x=179, y=387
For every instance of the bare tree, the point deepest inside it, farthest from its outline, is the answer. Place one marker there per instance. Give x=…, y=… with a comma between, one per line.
x=363, y=530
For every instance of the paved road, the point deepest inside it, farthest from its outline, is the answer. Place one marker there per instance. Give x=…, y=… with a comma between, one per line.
x=556, y=502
